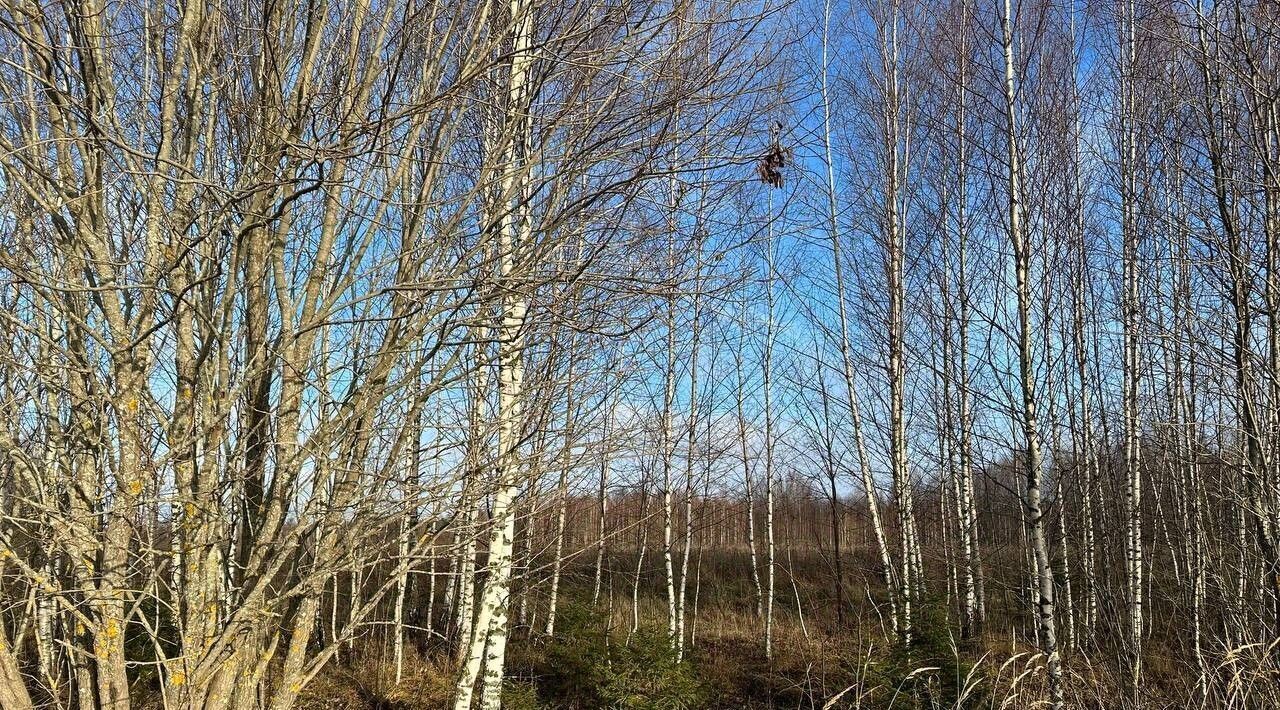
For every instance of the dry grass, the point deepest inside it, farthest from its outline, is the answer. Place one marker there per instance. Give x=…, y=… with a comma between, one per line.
x=367, y=680
x=822, y=666
x=824, y=672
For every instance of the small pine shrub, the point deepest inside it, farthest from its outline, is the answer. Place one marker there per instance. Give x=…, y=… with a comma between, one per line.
x=584, y=668
x=644, y=675
x=932, y=672
x=520, y=696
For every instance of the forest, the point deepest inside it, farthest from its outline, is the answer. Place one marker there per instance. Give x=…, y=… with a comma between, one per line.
x=639, y=354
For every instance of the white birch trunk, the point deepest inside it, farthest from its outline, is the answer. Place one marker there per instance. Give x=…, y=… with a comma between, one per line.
x=489, y=634
x=1046, y=615
x=603, y=504
x=869, y=490
x=562, y=495
x=767, y=366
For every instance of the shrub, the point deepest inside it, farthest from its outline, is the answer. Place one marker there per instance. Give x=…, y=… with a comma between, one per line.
x=645, y=675
x=931, y=672
x=583, y=667
x=518, y=695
